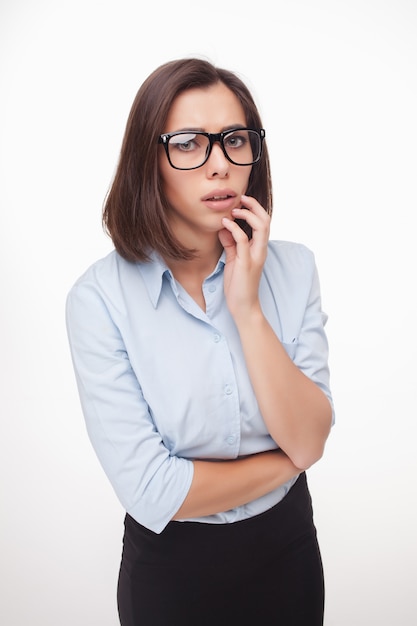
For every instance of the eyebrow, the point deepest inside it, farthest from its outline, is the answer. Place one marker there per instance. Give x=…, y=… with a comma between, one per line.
x=202, y=130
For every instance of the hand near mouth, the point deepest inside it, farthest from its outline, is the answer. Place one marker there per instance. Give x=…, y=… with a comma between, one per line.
x=244, y=258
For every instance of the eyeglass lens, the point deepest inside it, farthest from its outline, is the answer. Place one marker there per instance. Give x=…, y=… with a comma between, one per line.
x=188, y=150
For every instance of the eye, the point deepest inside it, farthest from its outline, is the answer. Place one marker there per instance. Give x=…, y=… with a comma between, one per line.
x=185, y=142
x=238, y=139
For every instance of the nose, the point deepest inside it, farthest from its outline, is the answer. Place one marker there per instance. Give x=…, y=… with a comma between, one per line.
x=217, y=164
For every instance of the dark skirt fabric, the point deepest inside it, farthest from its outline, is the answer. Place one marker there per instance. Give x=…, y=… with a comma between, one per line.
x=264, y=571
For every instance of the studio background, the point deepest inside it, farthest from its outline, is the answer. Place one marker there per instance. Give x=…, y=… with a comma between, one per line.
x=336, y=84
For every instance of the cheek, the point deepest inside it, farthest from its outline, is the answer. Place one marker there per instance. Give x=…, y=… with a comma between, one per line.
x=171, y=185
x=167, y=177
x=176, y=182
x=245, y=180
x=163, y=169
x=176, y=187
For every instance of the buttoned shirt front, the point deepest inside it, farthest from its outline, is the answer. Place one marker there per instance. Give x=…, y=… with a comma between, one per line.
x=162, y=382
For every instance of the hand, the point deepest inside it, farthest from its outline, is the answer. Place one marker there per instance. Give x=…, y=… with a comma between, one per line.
x=244, y=258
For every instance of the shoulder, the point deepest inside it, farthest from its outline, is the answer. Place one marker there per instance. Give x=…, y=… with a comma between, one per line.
x=105, y=281
x=289, y=276
x=290, y=251
x=106, y=274
x=289, y=258
x=101, y=271
x=118, y=284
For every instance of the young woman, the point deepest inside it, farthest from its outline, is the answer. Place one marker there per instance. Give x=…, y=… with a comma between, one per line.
x=201, y=361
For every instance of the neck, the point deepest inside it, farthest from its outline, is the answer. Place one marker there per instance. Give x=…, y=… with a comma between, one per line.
x=198, y=268
x=191, y=274
x=204, y=262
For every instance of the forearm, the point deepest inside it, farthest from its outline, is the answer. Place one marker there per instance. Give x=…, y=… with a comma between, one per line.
x=295, y=410
x=222, y=485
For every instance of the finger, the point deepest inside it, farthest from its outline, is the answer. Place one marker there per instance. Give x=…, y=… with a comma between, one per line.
x=226, y=239
x=254, y=206
x=238, y=235
x=260, y=223
x=254, y=220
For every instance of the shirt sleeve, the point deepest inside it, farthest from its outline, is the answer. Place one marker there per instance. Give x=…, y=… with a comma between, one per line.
x=292, y=276
x=311, y=349
x=149, y=482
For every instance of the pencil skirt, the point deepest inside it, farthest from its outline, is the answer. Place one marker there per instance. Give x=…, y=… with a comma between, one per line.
x=263, y=571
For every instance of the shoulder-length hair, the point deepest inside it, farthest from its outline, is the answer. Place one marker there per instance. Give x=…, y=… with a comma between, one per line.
x=135, y=208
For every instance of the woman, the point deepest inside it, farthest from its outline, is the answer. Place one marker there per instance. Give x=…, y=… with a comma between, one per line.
x=201, y=361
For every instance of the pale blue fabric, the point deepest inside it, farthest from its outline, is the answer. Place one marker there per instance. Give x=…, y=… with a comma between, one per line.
x=161, y=382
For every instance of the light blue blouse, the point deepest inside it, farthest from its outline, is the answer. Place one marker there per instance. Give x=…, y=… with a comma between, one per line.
x=162, y=383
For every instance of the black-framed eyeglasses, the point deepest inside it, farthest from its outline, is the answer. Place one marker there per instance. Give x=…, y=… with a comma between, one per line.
x=188, y=150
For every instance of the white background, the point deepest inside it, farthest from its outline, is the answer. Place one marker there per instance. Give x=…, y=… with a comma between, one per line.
x=336, y=83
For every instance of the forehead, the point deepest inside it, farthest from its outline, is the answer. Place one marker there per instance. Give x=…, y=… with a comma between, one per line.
x=212, y=109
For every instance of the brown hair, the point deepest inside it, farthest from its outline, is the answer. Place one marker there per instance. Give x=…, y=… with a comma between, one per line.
x=135, y=208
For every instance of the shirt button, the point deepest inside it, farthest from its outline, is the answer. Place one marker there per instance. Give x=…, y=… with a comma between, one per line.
x=216, y=338
x=231, y=440
x=228, y=390
x=212, y=288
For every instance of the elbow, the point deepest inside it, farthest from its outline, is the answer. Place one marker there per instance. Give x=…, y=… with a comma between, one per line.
x=312, y=449
x=307, y=447
x=304, y=459
x=304, y=463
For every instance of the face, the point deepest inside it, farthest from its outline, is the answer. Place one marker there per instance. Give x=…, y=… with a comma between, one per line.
x=200, y=198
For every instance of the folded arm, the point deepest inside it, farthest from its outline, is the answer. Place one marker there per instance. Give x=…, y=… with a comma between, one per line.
x=152, y=485
x=224, y=485
x=295, y=409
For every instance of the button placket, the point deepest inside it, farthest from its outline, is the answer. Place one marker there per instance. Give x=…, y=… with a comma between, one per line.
x=231, y=432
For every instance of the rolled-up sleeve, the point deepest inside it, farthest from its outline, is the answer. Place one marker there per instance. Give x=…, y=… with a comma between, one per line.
x=149, y=482
x=293, y=304
x=312, y=350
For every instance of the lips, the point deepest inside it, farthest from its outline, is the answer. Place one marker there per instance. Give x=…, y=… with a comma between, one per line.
x=219, y=195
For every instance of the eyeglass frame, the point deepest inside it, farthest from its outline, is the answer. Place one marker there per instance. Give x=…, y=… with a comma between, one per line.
x=213, y=138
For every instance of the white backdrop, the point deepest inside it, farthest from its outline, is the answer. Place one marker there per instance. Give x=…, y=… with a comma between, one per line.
x=336, y=83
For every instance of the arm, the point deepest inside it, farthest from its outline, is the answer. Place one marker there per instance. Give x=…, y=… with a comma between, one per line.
x=152, y=485
x=295, y=409
x=223, y=485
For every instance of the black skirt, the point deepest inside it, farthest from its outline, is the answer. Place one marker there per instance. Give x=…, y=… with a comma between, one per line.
x=263, y=571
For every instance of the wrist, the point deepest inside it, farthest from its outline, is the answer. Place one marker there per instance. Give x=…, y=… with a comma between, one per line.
x=250, y=316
